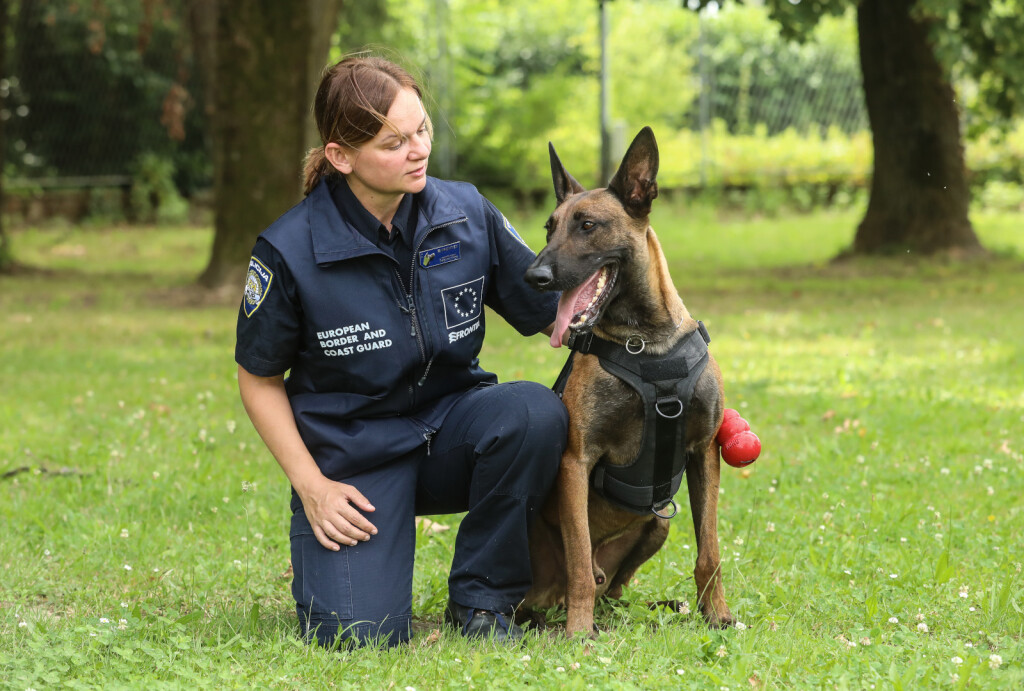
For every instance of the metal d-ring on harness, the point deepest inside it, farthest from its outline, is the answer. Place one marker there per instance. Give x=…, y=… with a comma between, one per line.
x=665, y=384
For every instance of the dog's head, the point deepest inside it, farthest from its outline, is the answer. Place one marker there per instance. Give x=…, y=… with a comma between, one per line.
x=592, y=235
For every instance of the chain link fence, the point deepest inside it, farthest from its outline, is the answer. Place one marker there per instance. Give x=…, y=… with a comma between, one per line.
x=103, y=113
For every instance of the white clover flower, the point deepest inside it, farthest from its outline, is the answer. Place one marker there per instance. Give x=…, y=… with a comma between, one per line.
x=684, y=608
x=964, y=591
x=124, y=533
x=894, y=620
x=994, y=661
x=574, y=666
x=944, y=471
x=922, y=627
x=22, y=624
x=957, y=660
x=740, y=626
x=721, y=652
x=524, y=658
x=680, y=672
x=127, y=567
x=770, y=527
x=865, y=641
x=559, y=669
x=894, y=575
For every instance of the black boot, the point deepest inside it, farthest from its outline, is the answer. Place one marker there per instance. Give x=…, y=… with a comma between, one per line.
x=482, y=623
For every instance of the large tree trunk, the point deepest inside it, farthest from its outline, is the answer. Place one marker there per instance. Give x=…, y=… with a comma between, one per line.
x=919, y=196
x=266, y=54
x=6, y=258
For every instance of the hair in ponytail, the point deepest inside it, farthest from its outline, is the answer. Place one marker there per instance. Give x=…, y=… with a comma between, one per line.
x=315, y=167
x=351, y=106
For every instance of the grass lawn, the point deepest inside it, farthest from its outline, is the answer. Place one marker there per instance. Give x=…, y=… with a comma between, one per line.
x=877, y=543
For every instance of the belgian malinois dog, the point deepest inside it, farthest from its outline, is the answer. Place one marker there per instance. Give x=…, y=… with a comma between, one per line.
x=603, y=255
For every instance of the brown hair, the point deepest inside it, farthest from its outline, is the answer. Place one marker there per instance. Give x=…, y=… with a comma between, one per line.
x=351, y=106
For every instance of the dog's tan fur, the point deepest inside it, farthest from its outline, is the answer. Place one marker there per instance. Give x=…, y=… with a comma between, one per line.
x=583, y=547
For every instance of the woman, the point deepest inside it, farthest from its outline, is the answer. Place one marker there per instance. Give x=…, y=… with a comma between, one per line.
x=370, y=292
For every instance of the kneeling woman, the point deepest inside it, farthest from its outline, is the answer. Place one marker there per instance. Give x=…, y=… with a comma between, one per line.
x=370, y=293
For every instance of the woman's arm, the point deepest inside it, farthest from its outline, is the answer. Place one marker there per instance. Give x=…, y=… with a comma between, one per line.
x=330, y=506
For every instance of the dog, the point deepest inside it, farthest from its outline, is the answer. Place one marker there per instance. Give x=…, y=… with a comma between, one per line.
x=605, y=258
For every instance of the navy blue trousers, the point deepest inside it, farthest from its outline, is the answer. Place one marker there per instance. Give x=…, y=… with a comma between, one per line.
x=495, y=456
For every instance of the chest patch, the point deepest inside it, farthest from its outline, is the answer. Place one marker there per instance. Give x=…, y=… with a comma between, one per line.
x=463, y=303
x=257, y=283
x=436, y=256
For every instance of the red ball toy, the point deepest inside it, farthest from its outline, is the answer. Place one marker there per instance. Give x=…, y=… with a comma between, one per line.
x=740, y=446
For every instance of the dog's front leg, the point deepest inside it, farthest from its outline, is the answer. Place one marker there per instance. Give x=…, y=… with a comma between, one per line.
x=581, y=591
x=703, y=474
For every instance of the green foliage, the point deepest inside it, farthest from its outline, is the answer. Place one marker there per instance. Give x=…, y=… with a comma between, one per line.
x=887, y=396
x=758, y=76
x=98, y=84
x=154, y=196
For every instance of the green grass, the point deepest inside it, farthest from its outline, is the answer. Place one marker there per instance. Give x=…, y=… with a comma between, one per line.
x=144, y=534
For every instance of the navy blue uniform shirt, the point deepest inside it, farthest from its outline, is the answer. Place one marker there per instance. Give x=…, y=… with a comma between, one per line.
x=375, y=361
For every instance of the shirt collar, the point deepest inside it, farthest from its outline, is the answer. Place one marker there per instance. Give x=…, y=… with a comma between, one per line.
x=368, y=225
x=335, y=239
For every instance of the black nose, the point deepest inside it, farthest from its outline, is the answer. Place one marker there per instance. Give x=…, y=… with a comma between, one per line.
x=539, y=276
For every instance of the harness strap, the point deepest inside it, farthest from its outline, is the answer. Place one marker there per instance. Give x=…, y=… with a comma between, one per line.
x=665, y=384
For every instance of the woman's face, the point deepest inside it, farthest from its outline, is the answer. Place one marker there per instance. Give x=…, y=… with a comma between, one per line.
x=392, y=163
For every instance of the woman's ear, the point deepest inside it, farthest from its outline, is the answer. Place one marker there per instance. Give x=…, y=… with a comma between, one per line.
x=339, y=157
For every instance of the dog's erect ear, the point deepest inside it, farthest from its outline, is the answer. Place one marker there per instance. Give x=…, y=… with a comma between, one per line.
x=565, y=184
x=635, y=182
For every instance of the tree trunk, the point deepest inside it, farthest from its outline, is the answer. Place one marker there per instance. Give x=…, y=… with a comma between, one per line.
x=265, y=53
x=6, y=258
x=919, y=196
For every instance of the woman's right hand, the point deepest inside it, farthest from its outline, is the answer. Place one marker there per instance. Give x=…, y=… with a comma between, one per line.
x=333, y=509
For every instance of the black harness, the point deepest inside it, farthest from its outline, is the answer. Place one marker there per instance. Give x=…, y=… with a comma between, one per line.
x=665, y=384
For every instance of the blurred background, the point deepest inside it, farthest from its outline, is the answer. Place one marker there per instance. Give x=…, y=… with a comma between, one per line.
x=174, y=111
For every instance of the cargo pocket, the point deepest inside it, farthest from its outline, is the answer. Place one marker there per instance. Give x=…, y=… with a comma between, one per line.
x=321, y=585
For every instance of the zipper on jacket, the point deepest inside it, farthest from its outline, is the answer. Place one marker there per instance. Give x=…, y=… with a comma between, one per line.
x=411, y=299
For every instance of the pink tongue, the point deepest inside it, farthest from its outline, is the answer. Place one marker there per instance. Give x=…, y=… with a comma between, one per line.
x=567, y=307
x=566, y=303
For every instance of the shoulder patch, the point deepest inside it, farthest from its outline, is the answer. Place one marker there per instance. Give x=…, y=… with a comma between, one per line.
x=257, y=283
x=510, y=229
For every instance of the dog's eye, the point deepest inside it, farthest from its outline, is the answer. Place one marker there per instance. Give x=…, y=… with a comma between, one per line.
x=588, y=225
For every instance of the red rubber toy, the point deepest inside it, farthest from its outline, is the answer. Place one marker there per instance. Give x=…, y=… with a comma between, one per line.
x=740, y=446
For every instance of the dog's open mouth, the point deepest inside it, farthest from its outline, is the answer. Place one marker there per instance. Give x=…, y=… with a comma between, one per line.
x=580, y=307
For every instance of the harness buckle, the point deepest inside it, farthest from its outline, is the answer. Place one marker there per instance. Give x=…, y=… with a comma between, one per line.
x=631, y=344
x=669, y=399
x=675, y=510
x=580, y=341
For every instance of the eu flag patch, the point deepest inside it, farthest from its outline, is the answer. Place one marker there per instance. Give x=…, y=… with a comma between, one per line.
x=257, y=283
x=463, y=303
x=437, y=256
